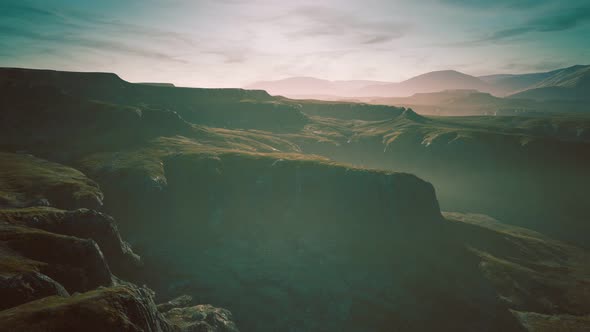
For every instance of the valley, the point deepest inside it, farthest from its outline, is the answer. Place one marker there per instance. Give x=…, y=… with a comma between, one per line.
x=285, y=214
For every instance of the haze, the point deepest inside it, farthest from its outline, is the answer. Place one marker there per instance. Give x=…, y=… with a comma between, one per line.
x=233, y=43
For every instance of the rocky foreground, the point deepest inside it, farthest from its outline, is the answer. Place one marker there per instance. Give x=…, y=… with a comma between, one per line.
x=60, y=269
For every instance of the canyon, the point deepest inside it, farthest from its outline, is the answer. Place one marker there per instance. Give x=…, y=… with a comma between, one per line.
x=238, y=209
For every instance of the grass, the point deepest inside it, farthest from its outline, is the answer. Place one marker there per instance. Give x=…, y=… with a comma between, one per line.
x=149, y=159
x=12, y=264
x=13, y=215
x=55, y=302
x=552, y=323
x=24, y=178
x=529, y=270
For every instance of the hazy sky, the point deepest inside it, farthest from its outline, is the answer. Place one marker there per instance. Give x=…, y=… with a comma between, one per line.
x=230, y=43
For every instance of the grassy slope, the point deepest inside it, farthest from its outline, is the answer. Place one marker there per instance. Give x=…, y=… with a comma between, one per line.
x=521, y=130
x=542, y=162
x=25, y=179
x=546, y=283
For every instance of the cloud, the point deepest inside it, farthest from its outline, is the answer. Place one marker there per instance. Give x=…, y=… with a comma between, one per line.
x=562, y=21
x=507, y=4
x=556, y=22
x=93, y=43
x=23, y=10
x=379, y=39
x=524, y=65
x=324, y=21
x=553, y=22
x=230, y=55
x=224, y=41
x=51, y=29
x=47, y=27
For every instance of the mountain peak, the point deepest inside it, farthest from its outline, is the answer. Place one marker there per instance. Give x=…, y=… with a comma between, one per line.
x=444, y=74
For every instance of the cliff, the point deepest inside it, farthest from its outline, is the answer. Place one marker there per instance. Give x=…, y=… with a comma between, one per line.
x=233, y=108
x=56, y=266
x=526, y=171
x=329, y=246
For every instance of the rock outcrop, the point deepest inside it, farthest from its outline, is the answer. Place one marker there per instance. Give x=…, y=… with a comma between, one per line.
x=349, y=111
x=120, y=308
x=179, y=302
x=53, y=274
x=201, y=318
x=77, y=264
x=84, y=224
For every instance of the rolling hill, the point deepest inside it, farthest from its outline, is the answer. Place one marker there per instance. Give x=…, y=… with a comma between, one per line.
x=430, y=82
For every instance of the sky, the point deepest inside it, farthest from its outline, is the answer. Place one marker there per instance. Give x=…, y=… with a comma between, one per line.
x=231, y=43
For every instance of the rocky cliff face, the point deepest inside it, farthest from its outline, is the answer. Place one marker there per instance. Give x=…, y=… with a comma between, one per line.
x=81, y=223
x=348, y=111
x=515, y=173
x=281, y=233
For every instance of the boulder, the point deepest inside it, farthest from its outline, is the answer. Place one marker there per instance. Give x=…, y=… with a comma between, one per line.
x=181, y=301
x=202, y=318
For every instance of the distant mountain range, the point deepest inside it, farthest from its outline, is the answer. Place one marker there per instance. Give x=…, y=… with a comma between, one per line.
x=568, y=84
x=473, y=102
x=431, y=82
